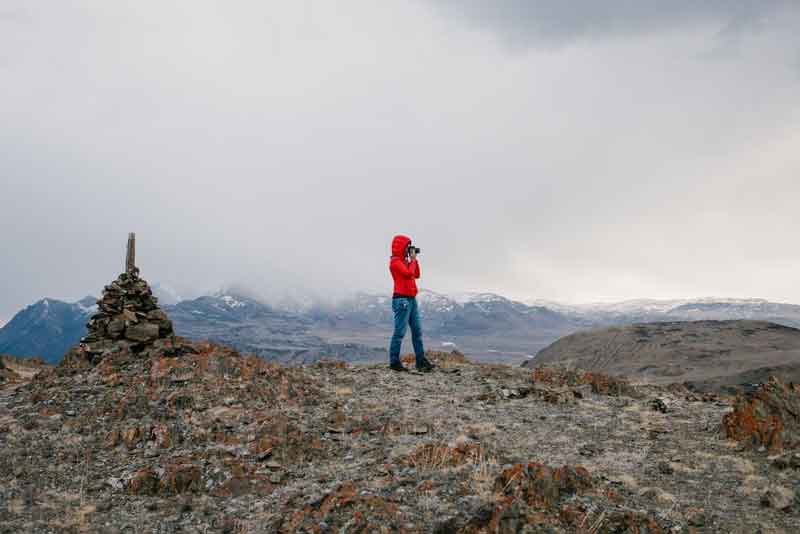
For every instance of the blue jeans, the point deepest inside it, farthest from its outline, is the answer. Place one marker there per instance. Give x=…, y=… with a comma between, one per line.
x=406, y=313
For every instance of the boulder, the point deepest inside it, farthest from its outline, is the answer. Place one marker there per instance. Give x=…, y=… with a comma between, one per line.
x=778, y=498
x=769, y=417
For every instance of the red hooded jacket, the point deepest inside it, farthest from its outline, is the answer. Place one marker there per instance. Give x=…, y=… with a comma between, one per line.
x=404, y=273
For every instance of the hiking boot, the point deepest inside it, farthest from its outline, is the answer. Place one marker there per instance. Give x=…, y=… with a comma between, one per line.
x=398, y=367
x=425, y=367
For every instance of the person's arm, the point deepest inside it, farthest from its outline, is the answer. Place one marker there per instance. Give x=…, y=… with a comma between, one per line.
x=414, y=267
x=406, y=271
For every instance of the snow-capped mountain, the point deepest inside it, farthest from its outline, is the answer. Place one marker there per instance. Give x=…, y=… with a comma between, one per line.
x=436, y=302
x=710, y=308
x=46, y=328
x=638, y=306
x=485, y=323
x=653, y=310
x=222, y=306
x=447, y=316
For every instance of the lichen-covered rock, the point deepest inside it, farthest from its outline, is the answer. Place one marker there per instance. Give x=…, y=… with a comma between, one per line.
x=535, y=498
x=174, y=479
x=180, y=478
x=633, y=523
x=778, y=497
x=143, y=482
x=768, y=417
x=345, y=509
x=539, y=485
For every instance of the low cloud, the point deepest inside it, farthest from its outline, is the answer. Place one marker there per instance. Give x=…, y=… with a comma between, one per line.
x=525, y=23
x=552, y=20
x=280, y=145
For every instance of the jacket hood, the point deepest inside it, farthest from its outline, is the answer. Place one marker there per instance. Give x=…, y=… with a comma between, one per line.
x=399, y=244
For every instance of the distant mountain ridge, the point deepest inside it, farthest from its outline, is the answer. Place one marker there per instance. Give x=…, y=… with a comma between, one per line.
x=486, y=325
x=706, y=308
x=49, y=327
x=46, y=328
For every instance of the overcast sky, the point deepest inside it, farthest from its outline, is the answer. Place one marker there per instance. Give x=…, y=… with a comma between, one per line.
x=536, y=148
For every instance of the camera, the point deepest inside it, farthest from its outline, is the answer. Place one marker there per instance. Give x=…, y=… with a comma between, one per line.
x=411, y=248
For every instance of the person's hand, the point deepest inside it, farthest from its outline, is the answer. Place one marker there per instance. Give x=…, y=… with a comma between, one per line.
x=412, y=254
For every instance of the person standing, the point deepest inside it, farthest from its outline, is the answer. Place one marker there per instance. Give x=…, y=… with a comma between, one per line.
x=404, y=268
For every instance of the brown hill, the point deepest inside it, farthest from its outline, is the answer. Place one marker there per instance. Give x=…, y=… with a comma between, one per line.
x=708, y=355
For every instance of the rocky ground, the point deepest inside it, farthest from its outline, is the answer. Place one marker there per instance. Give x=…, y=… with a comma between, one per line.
x=211, y=441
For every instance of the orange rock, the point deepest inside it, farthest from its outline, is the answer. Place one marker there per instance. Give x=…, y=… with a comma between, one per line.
x=180, y=478
x=144, y=482
x=540, y=485
x=768, y=417
x=632, y=522
x=162, y=436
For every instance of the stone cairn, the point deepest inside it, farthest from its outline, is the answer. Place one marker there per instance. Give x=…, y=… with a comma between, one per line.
x=128, y=319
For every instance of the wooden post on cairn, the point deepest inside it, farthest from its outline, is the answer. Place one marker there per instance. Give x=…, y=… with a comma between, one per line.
x=130, y=257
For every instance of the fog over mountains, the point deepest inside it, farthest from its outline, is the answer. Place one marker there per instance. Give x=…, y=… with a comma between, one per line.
x=686, y=309
x=295, y=330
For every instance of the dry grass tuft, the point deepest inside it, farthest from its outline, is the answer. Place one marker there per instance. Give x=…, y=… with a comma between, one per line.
x=438, y=456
